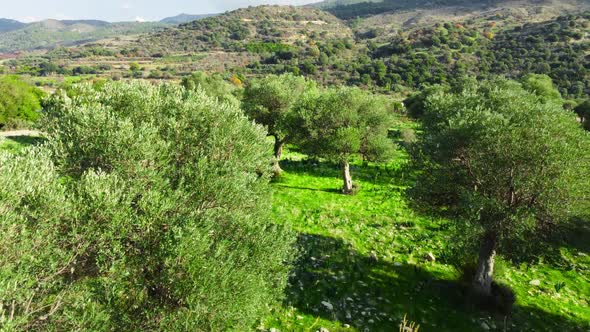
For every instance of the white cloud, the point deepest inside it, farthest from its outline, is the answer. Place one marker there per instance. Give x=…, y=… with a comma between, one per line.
x=139, y=19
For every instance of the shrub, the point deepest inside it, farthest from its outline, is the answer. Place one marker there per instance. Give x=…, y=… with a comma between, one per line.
x=147, y=209
x=214, y=86
x=19, y=102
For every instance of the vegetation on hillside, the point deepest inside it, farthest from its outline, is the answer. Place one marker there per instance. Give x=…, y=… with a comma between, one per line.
x=447, y=52
x=274, y=40
x=247, y=29
x=353, y=9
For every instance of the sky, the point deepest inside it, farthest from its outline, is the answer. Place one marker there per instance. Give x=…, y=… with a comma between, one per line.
x=122, y=10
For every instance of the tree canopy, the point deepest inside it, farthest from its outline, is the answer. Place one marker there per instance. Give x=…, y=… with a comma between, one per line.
x=271, y=101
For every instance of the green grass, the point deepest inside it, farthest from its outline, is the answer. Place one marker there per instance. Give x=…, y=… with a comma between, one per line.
x=364, y=255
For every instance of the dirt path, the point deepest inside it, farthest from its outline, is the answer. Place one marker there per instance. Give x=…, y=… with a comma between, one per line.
x=17, y=133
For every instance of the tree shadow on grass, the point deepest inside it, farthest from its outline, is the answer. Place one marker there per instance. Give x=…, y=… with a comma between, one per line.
x=335, y=282
x=537, y=319
x=575, y=235
x=333, y=191
x=26, y=140
x=572, y=236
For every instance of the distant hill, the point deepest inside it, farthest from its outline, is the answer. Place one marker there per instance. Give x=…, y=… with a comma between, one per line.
x=352, y=9
x=184, y=18
x=427, y=42
x=335, y=3
x=505, y=13
x=248, y=28
x=9, y=25
x=446, y=52
x=52, y=33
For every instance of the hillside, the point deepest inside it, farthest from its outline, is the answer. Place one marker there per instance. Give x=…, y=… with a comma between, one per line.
x=558, y=48
x=335, y=3
x=393, y=52
x=241, y=29
x=445, y=53
x=9, y=25
x=184, y=18
x=52, y=33
x=451, y=8
x=505, y=13
x=258, y=40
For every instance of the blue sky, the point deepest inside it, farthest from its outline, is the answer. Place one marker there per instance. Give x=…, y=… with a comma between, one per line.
x=122, y=10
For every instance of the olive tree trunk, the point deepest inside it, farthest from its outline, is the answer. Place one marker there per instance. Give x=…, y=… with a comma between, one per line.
x=278, y=152
x=347, y=189
x=482, y=282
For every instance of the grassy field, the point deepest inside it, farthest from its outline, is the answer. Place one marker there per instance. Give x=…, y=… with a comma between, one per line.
x=363, y=265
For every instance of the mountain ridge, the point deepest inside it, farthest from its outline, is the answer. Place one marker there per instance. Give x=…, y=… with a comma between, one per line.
x=233, y=30
x=353, y=9
x=10, y=25
x=51, y=33
x=184, y=18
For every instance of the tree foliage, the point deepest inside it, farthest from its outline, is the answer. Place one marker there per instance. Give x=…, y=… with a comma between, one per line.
x=147, y=209
x=271, y=101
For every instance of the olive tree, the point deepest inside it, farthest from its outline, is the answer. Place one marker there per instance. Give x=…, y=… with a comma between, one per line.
x=214, y=85
x=342, y=123
x=270, y=101
x=146, y=209
x=504, y=162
